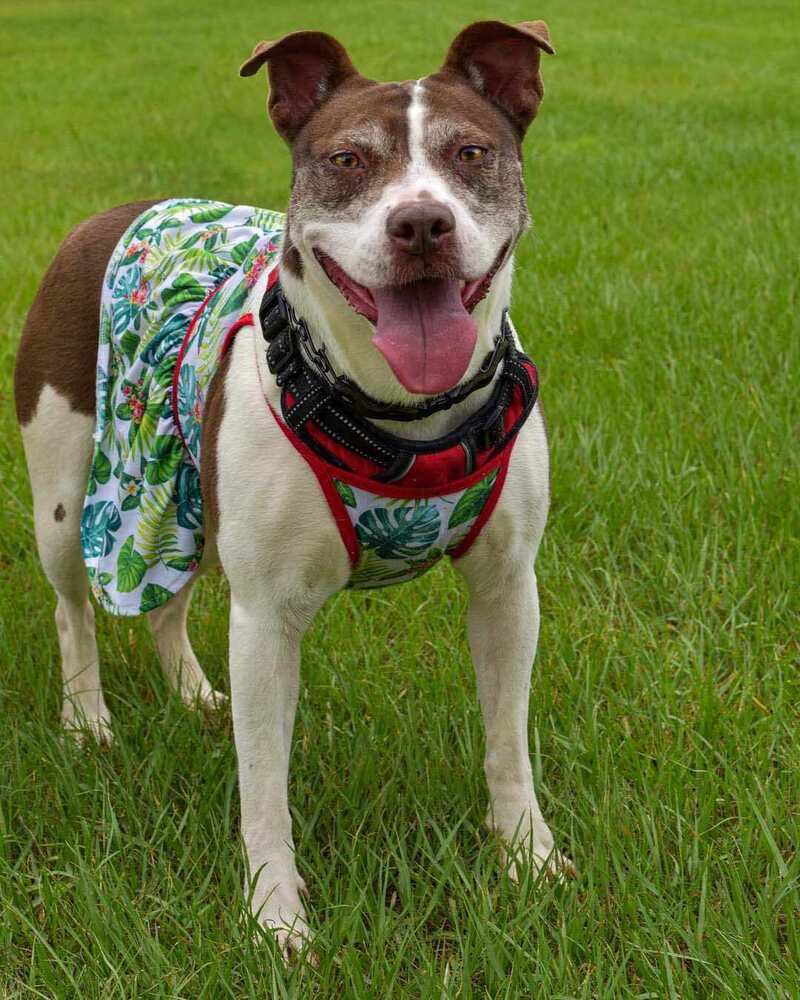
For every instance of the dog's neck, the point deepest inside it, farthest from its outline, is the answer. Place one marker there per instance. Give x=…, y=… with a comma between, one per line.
x=347, y=338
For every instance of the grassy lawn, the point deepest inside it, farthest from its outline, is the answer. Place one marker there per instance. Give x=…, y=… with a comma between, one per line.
x=657, y=295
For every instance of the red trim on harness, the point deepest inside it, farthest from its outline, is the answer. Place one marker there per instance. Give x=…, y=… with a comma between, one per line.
x=430, y=475
x=488, y=507
x=325, y=474
x=179, y=360
x=246, y=320
x=392, y=489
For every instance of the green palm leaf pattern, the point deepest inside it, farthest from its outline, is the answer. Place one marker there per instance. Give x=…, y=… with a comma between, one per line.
x=153, y=596
x=472, y=501
x=346, y=493
x=189, y=508
x=99, y=521
x=149, y=522
x=399, y=533
x=211, y=214
x=101, y=471
x=165, y=457
x=164, y=338
x=142, y=434
x=131, y=567
x=185, y=288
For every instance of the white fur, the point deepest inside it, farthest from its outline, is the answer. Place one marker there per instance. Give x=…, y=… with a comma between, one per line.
x=283, y=557
x=58, y=449
x=168, y=625
x=280, y=576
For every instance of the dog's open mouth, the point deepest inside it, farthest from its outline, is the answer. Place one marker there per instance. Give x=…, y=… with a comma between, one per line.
x=424, y=329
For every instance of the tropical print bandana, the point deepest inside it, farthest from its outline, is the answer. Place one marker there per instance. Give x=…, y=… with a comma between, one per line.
x=175, y=285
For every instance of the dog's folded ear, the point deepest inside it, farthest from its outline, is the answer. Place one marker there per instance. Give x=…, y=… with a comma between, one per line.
x=501, y=62
x=304, y=69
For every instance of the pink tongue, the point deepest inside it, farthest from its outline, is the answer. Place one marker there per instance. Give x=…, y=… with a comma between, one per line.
x=425, y=333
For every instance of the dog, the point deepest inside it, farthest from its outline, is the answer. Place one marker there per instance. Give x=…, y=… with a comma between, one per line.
x=352, y=380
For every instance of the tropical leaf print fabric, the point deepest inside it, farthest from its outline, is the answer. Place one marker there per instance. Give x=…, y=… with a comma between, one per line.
x=400, y=539
x=142, y=523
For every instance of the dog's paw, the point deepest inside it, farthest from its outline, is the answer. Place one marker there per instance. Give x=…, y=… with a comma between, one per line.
x=283, y=918
x=550, y=863
x=85, y=730
x=203, y=699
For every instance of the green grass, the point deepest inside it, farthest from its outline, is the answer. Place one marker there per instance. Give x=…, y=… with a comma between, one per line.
x=658, y=297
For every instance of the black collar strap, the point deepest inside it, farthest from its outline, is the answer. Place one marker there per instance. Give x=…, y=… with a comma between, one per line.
x=312, y=391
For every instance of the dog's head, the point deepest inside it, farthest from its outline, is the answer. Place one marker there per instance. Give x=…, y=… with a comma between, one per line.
x=407, y=198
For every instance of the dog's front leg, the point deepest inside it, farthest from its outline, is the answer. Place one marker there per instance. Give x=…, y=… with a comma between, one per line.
x=503, y=631
x=265, y=677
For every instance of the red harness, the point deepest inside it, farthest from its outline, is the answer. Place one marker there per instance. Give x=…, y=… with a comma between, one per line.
x=394, y=530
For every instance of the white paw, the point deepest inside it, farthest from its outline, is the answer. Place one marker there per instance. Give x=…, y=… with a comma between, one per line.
x=283, y=916
x=87, y=729
x=544, y=860
x=204, y=699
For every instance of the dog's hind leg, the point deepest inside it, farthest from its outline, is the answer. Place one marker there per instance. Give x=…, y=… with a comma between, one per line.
x=168, y=625
x=58, y=448
x=54, y=390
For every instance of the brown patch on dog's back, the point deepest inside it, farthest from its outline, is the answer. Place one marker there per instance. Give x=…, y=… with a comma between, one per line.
x=58, y=346
x=213, y=412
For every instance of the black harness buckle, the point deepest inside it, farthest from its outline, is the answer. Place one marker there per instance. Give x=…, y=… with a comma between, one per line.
x=272, y=313
x=282, y=357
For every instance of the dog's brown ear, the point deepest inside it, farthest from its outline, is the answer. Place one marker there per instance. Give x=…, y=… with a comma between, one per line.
x=501, y=62
x=304, y=69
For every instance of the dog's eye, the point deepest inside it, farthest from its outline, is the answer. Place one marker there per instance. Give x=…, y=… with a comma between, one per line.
x=346, y=160
x=472, y=154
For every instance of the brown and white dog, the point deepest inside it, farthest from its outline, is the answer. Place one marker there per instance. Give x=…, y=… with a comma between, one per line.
x=393, y=183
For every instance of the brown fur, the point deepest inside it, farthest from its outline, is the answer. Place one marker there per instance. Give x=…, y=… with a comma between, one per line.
x=303, y=68
x=59, y=340
x=213, y=412
x=501, y=62
x=458, y=114
x=487, y=92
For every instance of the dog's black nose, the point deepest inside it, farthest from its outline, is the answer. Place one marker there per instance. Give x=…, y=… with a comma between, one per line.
x=420, y=227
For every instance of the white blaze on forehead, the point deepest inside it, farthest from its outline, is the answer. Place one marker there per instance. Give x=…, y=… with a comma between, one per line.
x=416, y=127
x=421, y=178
